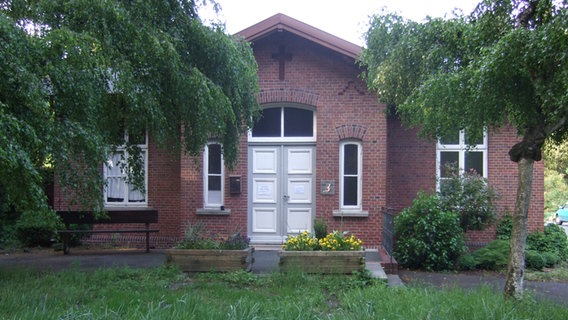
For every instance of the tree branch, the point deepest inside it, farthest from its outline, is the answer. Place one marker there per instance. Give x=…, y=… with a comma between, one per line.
x=554, y=127
x=526, y=14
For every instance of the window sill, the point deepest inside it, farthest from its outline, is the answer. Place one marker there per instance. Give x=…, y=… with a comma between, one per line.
x=351, y=213
x=124, y=206
x=213, y=212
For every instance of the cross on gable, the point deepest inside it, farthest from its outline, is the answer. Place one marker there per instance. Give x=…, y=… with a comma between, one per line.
x=281, y=57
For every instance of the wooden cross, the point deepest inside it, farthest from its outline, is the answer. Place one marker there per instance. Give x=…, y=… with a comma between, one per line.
x=282, y=57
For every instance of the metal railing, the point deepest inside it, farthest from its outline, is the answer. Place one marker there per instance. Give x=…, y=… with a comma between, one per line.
x=388, y=232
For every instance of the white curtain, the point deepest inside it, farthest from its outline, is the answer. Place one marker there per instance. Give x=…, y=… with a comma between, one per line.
x=115, y=179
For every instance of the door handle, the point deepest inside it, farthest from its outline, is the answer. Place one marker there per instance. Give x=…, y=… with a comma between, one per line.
x=286, y=197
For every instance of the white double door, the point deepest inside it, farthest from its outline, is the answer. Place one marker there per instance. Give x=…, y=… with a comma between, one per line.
x=281, y=188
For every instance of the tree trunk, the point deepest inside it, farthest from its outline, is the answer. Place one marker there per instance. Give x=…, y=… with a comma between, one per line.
x=516, y=269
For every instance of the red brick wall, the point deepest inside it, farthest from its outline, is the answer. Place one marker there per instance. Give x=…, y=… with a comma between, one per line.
x=411, y=165
x=192, y=198
x=329, y=83
x=342, y=101
x=163, y=195
x=396, y=164
x=411, y=168
x=164, y=190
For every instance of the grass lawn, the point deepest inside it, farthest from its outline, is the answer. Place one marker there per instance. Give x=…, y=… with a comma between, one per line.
x=165, y=293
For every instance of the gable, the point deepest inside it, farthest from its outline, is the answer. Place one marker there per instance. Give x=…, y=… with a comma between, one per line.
x=280, y=23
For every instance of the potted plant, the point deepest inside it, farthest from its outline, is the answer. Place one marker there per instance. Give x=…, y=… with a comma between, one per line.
x=197, y=252
x=337, y=252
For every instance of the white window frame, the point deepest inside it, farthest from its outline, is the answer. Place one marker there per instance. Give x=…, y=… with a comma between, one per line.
x=281, y=138
x=125, y=203
x=206, y=203
x=461, y=148
x=359, y=175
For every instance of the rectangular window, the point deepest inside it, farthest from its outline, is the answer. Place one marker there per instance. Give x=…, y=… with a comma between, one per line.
x=120, y=190
x=213, y=179
x=350, y=166
x=455, y=151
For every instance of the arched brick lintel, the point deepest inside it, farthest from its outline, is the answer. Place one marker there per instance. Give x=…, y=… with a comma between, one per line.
x=290, y=95
x=352, y=131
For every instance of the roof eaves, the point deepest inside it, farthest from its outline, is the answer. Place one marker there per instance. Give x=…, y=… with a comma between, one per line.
x=281, y=22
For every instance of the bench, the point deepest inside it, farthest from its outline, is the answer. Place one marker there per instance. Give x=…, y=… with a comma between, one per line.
x=115, y=216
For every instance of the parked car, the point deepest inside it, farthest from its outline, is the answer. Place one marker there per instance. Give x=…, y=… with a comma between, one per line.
x=562, y=215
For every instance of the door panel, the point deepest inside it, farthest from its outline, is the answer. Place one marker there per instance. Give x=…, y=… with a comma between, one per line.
x=265, y=160
x=299, y=161
x=299, y=190
x=264, y=220
x=299, y=219
x=281, y=200
x=264, y=190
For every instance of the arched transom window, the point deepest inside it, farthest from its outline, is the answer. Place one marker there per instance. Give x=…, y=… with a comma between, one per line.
x=285, y=123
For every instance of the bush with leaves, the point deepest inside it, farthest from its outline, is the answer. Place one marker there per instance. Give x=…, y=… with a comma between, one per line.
x=320, y=228
x=553, y=239
x=494, y=256
x=504, y=227
x=37, y=227
x=470, y=196
x=543, y=250
x=534, y=260
x=427, y=236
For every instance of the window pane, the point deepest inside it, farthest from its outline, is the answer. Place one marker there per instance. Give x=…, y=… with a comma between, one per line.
x=135, y=195
x=115, y=189
x=214, y=159
x=451, y=139
x=115, y=178
x=474, y=161
x=214, y=197
x=214, y=183
x=448, y=160
x=269, y=124
x=350, y=191
x=138, y=195
x=350, y=161
x=298, y=122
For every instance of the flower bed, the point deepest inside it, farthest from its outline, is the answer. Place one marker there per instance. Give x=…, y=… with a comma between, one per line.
x=198, y=252
x=205, y=260
x=335, y=253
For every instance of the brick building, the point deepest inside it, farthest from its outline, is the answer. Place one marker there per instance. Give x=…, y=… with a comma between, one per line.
x=325, y=148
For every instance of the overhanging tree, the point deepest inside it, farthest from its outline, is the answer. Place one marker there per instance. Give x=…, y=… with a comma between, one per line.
x=505, y=64
x=77, y=74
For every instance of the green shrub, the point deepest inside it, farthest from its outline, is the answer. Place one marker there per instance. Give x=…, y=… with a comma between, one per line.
x=470, y=196
x=428, y=237
x=494, y=256
x=37, y=227
x=76, y=239
x=320, y=228
x=8, y=219
x=467, y=262
x=553, y=239
x=551, y=258
x=504, y=227
x=534, y=260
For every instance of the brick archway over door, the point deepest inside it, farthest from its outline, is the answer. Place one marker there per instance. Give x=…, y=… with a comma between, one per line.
x=288, y=95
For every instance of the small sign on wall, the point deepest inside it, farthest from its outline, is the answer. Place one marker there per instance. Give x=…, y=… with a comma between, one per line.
x=327, y=187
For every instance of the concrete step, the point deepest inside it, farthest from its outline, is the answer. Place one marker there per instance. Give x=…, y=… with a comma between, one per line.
x=376, y=270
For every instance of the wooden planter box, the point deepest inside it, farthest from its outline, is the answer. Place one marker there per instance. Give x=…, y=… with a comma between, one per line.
x=190, y=260
x=343, y=262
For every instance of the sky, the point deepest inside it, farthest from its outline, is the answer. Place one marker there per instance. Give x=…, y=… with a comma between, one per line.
x=347, y=19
